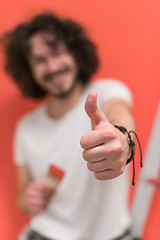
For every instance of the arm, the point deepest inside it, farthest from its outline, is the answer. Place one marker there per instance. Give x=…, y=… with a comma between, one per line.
x=106, y=149
x=23, y=179
x=119, y=113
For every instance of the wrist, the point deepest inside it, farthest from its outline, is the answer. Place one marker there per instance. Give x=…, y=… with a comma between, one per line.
x=131, y=147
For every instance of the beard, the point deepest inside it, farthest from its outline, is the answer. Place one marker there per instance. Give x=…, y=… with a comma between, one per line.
x=62, y=94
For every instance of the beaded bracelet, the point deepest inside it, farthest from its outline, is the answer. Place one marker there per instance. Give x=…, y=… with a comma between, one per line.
x=132, y=148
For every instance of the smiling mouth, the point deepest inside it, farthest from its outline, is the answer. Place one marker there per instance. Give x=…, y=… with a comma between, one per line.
x=56, y=76
x=57, y=81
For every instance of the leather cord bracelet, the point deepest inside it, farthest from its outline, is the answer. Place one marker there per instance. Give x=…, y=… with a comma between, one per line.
x=131, y=148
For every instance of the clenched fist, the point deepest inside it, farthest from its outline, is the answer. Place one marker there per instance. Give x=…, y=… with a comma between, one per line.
x=37, y=196
x=105, y=148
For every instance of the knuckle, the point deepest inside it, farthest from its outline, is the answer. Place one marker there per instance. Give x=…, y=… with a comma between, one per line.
x=105, y=133
x=118, y=147
x=120, y=162
x=108, y=133
x=106, y=151
x=121, y=170
x=113, y=133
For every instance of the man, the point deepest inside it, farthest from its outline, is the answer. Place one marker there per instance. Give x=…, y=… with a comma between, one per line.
x=53, y=56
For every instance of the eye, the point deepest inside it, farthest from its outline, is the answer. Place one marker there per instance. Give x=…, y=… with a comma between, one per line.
x=39, y=60
x=58, y=51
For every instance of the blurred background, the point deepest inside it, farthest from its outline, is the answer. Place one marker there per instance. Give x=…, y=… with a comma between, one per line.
x=127, y=34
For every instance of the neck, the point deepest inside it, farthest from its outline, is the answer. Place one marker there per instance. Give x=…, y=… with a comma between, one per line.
x=58, y=108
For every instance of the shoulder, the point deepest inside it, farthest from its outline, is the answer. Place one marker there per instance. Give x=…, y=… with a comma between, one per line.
x=111, y=83
x=30, y=119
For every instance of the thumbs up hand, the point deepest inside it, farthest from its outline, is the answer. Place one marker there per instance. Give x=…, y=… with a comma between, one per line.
x=105, y=148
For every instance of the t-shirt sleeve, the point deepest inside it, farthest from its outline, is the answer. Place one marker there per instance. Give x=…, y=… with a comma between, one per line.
x=18, y=145
x=111, y=88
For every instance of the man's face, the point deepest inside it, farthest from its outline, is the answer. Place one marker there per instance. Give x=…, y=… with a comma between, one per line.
x=52, y=65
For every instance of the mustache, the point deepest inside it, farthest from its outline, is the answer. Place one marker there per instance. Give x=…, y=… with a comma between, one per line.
x=51, y=75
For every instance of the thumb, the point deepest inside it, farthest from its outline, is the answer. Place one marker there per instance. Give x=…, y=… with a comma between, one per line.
x=92, y=110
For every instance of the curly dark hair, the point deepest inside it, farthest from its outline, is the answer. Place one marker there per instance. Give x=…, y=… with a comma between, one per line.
x=66, y=30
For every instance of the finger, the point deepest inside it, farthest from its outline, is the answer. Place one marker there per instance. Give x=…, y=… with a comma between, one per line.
x=36, y=185
x=105, y=151
x=99, y=166
x=48, y=195
x=108, y=174
x=35, y=209
x=34, y=193
x=36, y=188
x=106, y=164
x=47, y=190
x=96, y=137
x=40, y=188
x=92, y=110
x=41, y=202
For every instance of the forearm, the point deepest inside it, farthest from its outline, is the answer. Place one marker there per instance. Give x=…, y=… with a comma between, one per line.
x=119, y=113
x=21, y=202
x=23, y=180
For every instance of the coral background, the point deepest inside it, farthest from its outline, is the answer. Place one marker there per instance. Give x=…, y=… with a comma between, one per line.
x=127, y=34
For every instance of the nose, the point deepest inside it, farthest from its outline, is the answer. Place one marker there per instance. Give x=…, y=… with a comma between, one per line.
x=53, y=64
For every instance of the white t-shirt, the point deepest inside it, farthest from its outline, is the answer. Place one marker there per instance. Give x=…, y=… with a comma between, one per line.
x=83, y=207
